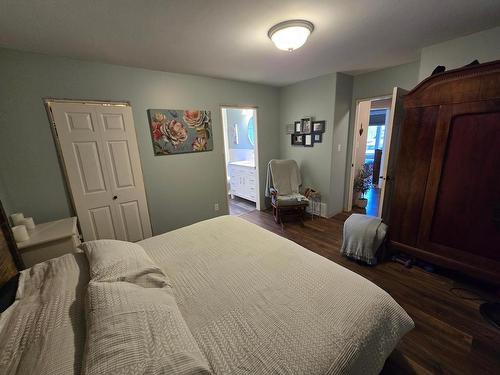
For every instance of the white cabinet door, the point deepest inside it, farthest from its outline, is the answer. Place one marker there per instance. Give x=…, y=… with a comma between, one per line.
x=234, y=179
x=101, y=158
x=242, y=181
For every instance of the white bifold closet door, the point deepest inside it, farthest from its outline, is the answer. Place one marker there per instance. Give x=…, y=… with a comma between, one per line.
x=103, y=169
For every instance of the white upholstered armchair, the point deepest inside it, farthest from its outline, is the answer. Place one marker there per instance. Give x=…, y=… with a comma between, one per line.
x=282, y=186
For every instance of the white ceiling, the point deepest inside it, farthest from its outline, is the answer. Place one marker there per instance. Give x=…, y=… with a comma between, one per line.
x=229, y=38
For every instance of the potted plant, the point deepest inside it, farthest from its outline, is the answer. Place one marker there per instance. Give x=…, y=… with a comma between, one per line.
x=362, y=183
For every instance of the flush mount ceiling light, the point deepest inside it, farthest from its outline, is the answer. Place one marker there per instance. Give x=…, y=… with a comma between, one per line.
x=290, y=35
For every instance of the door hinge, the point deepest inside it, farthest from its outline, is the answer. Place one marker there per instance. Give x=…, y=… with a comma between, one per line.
x=55, y=130
x=53, y=123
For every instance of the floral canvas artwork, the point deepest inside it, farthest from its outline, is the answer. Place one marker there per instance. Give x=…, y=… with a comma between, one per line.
x=180, y=131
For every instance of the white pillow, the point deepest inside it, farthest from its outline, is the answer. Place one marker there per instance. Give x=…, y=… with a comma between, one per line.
x=136, y=330
x=112, y=260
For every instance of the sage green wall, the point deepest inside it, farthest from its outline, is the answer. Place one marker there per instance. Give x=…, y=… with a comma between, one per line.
x=373, y=84
x=314, y=97
x=343, y=98
x=484, y=46
x=323, y=166
x=3, y=196
x=381, y=82
x=181, y=189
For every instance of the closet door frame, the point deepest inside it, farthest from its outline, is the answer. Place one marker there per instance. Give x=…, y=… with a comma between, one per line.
x=147, y=229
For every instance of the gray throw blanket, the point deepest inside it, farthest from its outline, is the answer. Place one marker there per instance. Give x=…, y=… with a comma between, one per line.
x=363, y=235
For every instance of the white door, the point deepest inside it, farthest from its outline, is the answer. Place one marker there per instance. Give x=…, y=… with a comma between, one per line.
x=390, y=144
x=101, y=158
x=362, y=120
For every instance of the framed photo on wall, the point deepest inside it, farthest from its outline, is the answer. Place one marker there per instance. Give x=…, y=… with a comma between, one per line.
x=306, y=125
x=298, y=127
x=297, y=140
x=318, y=126
x=308, y=140
x=317, y=137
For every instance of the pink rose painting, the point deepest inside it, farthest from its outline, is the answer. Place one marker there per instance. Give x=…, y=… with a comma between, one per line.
x=195, y=119
x=199, y=144
x=180, y=131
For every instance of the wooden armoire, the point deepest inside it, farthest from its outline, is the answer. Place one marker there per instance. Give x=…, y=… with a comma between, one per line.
x=445, y=206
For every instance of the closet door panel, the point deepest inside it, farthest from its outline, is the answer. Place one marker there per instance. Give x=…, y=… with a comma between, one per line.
x=123, y=161
x=121, y=164
x=82, y=152
x=103, y=226
x=103, y=169
x=131, y=217
x=89, y=167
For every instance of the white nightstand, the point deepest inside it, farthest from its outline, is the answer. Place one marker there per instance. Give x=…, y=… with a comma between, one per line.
x=50, y=240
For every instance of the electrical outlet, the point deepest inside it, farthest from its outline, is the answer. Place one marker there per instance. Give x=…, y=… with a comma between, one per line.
x=216, y=207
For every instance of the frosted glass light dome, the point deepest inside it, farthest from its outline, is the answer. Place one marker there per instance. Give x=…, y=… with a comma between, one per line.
x=290, y=35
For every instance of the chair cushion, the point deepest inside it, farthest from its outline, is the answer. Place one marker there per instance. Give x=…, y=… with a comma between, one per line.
x=290, y=200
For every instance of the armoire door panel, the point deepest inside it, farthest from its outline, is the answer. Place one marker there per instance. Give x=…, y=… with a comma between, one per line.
x=89, y=167
x=121, y=164
x=132, y=221
x=101, y=219
x=414, y=157
x=466, y=189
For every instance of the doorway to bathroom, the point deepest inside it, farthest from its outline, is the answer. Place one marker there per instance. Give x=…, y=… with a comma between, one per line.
x=241, y=158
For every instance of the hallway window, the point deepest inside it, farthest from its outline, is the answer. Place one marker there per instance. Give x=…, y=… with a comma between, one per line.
x=376, y=133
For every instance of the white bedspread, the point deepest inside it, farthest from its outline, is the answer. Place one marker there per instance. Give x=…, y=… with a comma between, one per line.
x=221, y=296
x=257, y=303
x=43, y=333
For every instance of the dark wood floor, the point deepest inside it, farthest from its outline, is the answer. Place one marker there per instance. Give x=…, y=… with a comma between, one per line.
x=450, y=336
x=239, y=206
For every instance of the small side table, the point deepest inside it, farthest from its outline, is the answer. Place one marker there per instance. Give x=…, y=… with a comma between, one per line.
x=50, y=240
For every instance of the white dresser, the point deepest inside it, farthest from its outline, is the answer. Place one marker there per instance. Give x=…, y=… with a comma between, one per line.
x=242, y=180
x=50, y=240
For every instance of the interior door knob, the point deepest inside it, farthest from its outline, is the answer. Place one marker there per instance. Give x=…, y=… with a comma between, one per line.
x=115, y=197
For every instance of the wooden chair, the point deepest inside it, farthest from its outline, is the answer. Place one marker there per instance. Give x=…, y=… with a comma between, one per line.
x=297, y=210
x=283, y=183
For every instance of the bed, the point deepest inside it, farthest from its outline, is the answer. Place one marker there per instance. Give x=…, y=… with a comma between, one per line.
x=222, y=296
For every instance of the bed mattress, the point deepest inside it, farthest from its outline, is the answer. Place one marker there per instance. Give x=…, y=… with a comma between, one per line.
x=241, y=300
x=257, y=303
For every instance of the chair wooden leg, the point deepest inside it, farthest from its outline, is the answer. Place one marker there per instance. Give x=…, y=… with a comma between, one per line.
x=278, y=217
x=276, y=214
